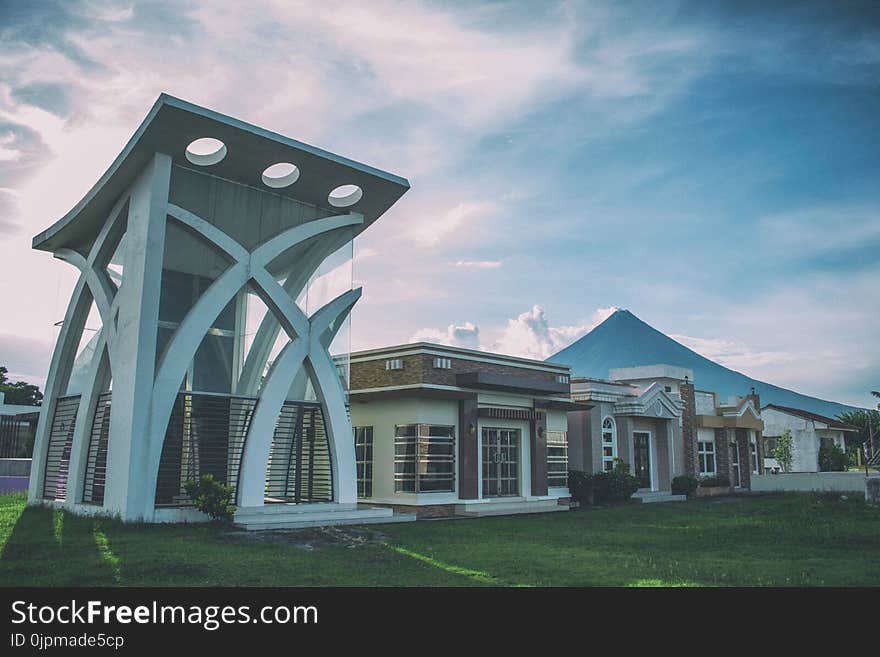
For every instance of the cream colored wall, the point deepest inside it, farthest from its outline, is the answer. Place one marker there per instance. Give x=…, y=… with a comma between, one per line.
x=383, y=415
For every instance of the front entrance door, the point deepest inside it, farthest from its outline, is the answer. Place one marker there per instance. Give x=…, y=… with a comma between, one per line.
x=500, y=462
x=734, y=464
x=642, y=458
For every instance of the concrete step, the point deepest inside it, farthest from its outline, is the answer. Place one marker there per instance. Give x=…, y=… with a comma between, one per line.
x=658, y=496
x=483, y=509
x=285, y=508
x=298, y=520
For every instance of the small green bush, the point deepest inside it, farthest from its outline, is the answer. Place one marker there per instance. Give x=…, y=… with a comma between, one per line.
x=580, y=485
x=714, y=482
x=211, y=497
x=615, y=486
x=684, y=485
x=833, y=459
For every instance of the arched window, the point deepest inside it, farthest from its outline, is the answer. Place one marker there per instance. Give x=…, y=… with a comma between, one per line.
x=609, y=444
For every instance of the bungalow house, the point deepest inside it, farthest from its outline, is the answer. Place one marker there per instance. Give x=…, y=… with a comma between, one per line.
x=443, y=431
x=652, y=418
x=809, y=432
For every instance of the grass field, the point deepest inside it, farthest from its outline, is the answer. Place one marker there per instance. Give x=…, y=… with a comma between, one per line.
x=748, y=541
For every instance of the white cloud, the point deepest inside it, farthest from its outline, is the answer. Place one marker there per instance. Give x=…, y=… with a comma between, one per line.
x=431, y=228
x=531, y=336
x=467, y=335
x=477, y=264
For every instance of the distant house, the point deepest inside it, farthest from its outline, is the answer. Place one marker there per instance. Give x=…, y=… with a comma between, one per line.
x=18, y=425
x=809, y=432
x=652, y=418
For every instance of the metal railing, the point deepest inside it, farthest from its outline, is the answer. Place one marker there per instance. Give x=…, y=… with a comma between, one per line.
x=60, y=444
x=205, y=435
x=17, y=434
x=96, y=458
x=300, y=467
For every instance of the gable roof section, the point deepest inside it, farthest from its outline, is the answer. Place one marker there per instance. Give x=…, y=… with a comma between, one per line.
x=640, y=405
x=815, y=417
x=172, y=124
x=739, y=411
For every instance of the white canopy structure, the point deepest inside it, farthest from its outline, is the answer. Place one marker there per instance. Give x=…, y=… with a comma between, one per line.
x=214, y=261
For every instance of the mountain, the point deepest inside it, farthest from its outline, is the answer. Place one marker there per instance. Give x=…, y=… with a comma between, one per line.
x=623, y=340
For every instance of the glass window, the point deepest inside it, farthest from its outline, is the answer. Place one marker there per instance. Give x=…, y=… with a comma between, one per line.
x=557, y=459
x=363, y=454
x=424, y=458
x=754, y=451
x=609, y=444
x=706, y=451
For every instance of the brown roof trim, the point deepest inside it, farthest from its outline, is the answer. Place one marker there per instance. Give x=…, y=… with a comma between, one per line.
x=799, y=412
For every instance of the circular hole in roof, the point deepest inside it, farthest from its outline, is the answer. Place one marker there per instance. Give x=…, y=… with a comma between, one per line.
x=206, y=151
x=345, y=195
x=280, y=175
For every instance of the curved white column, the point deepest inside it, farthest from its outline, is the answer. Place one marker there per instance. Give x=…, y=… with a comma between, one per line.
x=310, y=351
x=247, y=267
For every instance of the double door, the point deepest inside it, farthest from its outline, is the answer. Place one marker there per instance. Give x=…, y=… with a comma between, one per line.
x=501, y=462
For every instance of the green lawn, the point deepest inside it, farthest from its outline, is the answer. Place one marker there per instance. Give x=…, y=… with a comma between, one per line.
x=770, y=540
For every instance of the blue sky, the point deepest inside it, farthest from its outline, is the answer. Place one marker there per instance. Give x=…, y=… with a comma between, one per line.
x=710, y=166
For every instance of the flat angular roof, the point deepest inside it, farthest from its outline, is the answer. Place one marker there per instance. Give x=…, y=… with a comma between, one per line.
x=172, y=124
x=460, y=352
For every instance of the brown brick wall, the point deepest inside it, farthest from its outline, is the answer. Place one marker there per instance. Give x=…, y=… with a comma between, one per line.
x=689, y=429
x=722, y=454
x=419, y=368
x=372, y=373
x=756, y=400
x=745, y=458
x=423, y=511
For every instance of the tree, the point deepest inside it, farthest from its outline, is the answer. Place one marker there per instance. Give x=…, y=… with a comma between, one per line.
x=862, y=419
x=20, y=392
x=784, y=452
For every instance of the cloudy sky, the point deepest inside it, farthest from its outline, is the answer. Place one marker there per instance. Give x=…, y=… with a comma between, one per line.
x=714, y=167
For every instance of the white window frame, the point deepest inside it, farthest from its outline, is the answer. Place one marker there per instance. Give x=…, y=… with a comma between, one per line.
x=394, y=364
x=703, y=453
x=558, y=442
x=753, y=453
x=612, y=431
x=421, y=457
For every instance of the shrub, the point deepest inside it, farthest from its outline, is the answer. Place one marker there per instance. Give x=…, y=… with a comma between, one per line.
x=684, y=485
x=615, y=486
x=714, y=482
x=832, y=459
x=580, y=485
x=211, y=497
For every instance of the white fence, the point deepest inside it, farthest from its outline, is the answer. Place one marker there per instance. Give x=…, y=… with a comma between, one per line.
x=843, y=482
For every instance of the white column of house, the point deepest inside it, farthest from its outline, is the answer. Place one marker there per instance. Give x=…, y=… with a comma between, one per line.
x=128, y=492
